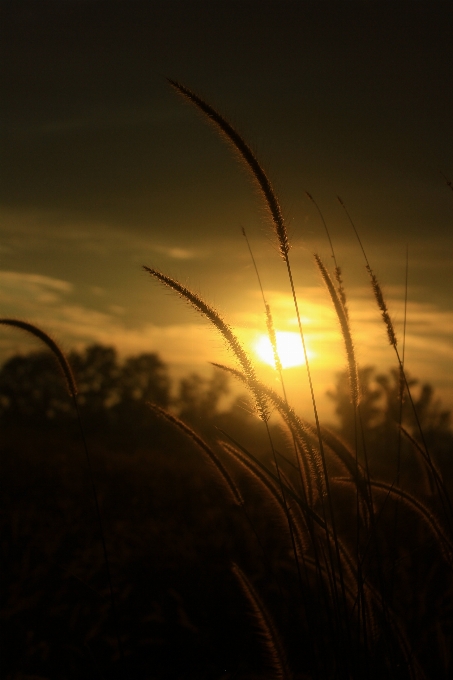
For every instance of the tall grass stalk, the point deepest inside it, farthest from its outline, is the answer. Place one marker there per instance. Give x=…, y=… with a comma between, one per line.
x=305, y=485
x=277, y=663
x=400, y=421
x=338, y=297
x=338, y=274
x=71, y=385
x=351, y=584
x=273, y=205
x=382, y=305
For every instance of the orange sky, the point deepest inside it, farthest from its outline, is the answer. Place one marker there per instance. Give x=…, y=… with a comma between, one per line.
x=104, y=169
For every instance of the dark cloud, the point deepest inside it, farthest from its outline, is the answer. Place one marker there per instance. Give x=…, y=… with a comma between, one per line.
x=334, y=88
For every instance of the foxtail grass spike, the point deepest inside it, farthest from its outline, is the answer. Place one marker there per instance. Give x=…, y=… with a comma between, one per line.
x=277, y=664
x=247, y=155
x=214, y=317
x=273, y=341
x=233, y=490
x=345, y=330
x=382, y=306
x=374, y=284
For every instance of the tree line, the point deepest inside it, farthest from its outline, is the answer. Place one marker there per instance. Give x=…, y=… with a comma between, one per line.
x=113, y=396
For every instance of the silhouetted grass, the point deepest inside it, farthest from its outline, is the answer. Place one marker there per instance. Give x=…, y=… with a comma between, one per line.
x=358, y=623
x=286, y=562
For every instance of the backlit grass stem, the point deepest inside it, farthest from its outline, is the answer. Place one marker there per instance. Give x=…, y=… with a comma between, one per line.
x=443, y=495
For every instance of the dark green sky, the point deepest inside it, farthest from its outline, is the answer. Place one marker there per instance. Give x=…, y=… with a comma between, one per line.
x=104, y=168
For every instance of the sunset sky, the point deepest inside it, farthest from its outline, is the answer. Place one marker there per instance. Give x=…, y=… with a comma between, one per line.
x=104, y=169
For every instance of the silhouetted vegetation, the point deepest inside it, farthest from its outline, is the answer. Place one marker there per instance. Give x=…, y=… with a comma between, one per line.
x=170, y=530
x=382, y=410
x=109, y=392
x=113, y=397
x=333, y=545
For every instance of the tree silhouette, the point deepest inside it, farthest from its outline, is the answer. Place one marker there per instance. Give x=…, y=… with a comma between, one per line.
x=113, y=395
x=98, y=378
x=109, y=392
x=31, y=388
x=198, y=398
x=384, y=403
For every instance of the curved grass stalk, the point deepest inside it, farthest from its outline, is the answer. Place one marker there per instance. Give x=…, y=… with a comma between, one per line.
x=421, y=510
x=344, y=454
x=71, y=384
x=63, y=363
x=271, y=491
x=416, y=506
x=308, y=511
x=277, y=664
x=232, y=488
x=243, y=359
x=214, y=317
x=301, y=522
x=348, y=566
x=247, y=155
x=431, y=466
x=308, y=456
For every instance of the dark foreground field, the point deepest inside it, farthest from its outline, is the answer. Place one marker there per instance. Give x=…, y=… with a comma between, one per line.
x=171, y=536
x=174, y=533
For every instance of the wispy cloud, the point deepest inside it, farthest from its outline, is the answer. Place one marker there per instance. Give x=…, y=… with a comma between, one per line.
x=51, y=304
x=15, y=286
x=31, y=231
x=177, y=253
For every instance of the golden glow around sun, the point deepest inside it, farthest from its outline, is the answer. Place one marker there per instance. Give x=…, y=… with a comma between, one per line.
x=289, y=347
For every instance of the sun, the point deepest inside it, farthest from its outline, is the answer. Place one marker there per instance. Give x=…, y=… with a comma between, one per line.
x=289, y=347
